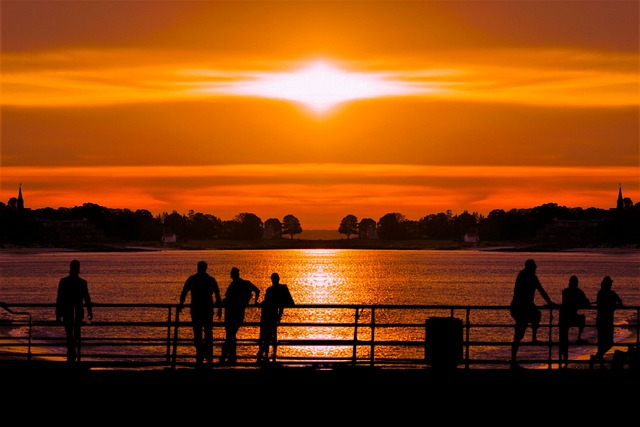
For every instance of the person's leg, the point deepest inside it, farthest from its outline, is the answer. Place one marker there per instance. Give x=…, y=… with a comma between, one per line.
x=274, y=341
x=224, y=356
x=536, y=316
x=197, y=339
x=71, y=342
x=77, y=339
x=581, y=322
x=207, y=345
x=607, y=341
x=518, y=334
x=263, y=345
x=233, y=343
x=563, y=345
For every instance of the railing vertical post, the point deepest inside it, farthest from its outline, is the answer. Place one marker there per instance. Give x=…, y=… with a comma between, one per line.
x=467, y=328
x=638, y=326
x=372, y=350
x=550, y=355
x=168, y=354
x=29, y=340
x=175, y=338
x=355, y=337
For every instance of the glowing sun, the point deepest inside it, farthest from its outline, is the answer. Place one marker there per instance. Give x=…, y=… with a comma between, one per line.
x=320, y=86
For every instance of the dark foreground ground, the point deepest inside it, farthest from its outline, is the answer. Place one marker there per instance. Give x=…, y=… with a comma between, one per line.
x=39, y=391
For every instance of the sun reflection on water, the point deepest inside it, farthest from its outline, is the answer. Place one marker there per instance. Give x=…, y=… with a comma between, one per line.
x=322, y=277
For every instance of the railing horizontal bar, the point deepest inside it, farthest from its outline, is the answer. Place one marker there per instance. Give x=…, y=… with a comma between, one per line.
x=164, y=337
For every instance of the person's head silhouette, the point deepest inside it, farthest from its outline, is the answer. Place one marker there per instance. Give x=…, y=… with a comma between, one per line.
x=573, y=281
x=202, y=266
x=74, y=267
x=530, y=265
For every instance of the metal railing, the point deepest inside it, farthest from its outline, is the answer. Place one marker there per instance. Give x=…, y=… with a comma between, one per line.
x=141, y=336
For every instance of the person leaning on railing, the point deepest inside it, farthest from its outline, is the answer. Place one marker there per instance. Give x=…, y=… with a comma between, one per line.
x=277, y=297
x=203, y=288
x=573, y=299
x=523, y=308
x=607, y=301
x=236, y=299
x=73, y=293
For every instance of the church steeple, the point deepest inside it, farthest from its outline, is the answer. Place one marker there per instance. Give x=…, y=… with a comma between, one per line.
x=620, y=204
x=20, y=199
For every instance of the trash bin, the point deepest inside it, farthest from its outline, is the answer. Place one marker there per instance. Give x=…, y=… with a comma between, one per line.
x=443, y=342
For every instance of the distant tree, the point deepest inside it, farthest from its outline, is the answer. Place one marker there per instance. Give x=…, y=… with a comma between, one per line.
x=229, y=229
x=411, y=229
x=627, y=203
x=18, y=226
x=148, y=226
x=291, y=225
x=203, y=226
x=250, y=227
x=364, y=227
x=125, y=223
x=390, y=227
x=463, y=224
x=436, y=226
x=348, y=226
x=273, y=227
x=175, y=223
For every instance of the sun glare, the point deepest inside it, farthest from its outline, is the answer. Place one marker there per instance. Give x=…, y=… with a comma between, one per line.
x=320, y=86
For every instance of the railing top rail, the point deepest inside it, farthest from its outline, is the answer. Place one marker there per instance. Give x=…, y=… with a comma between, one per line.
x=7, y=306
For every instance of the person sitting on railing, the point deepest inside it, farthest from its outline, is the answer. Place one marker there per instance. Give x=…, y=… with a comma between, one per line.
x=573, y=299
x=523, y=308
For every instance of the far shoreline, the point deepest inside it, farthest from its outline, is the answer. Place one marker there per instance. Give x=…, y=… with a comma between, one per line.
x=296, y=244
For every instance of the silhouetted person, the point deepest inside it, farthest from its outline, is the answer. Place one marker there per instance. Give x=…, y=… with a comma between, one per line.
x=523, y=308
x=276, y=298
x=573, y=299
x=203, y=288
x=607, y=301
x=236, y=300
x=73, y=295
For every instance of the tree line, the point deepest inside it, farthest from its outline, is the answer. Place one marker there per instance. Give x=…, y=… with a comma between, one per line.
x=548, y=222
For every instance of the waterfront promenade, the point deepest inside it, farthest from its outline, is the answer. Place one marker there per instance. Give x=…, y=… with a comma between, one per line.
x=336, y=394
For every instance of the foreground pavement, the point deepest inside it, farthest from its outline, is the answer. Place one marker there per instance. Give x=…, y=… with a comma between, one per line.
x=313, y=395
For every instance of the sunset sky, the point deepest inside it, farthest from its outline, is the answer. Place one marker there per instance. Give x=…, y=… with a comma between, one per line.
x=320, y=109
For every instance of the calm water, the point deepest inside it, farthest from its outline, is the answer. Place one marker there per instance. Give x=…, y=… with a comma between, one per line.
x=321, y=276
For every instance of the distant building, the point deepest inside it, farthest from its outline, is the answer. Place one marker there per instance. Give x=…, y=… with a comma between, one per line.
x=169, y=238
x=620, y=201
x=371, y=233
x=471, y=237
x=573, y=229
x=20, y=204
x=68, y=229
x=271, y=233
